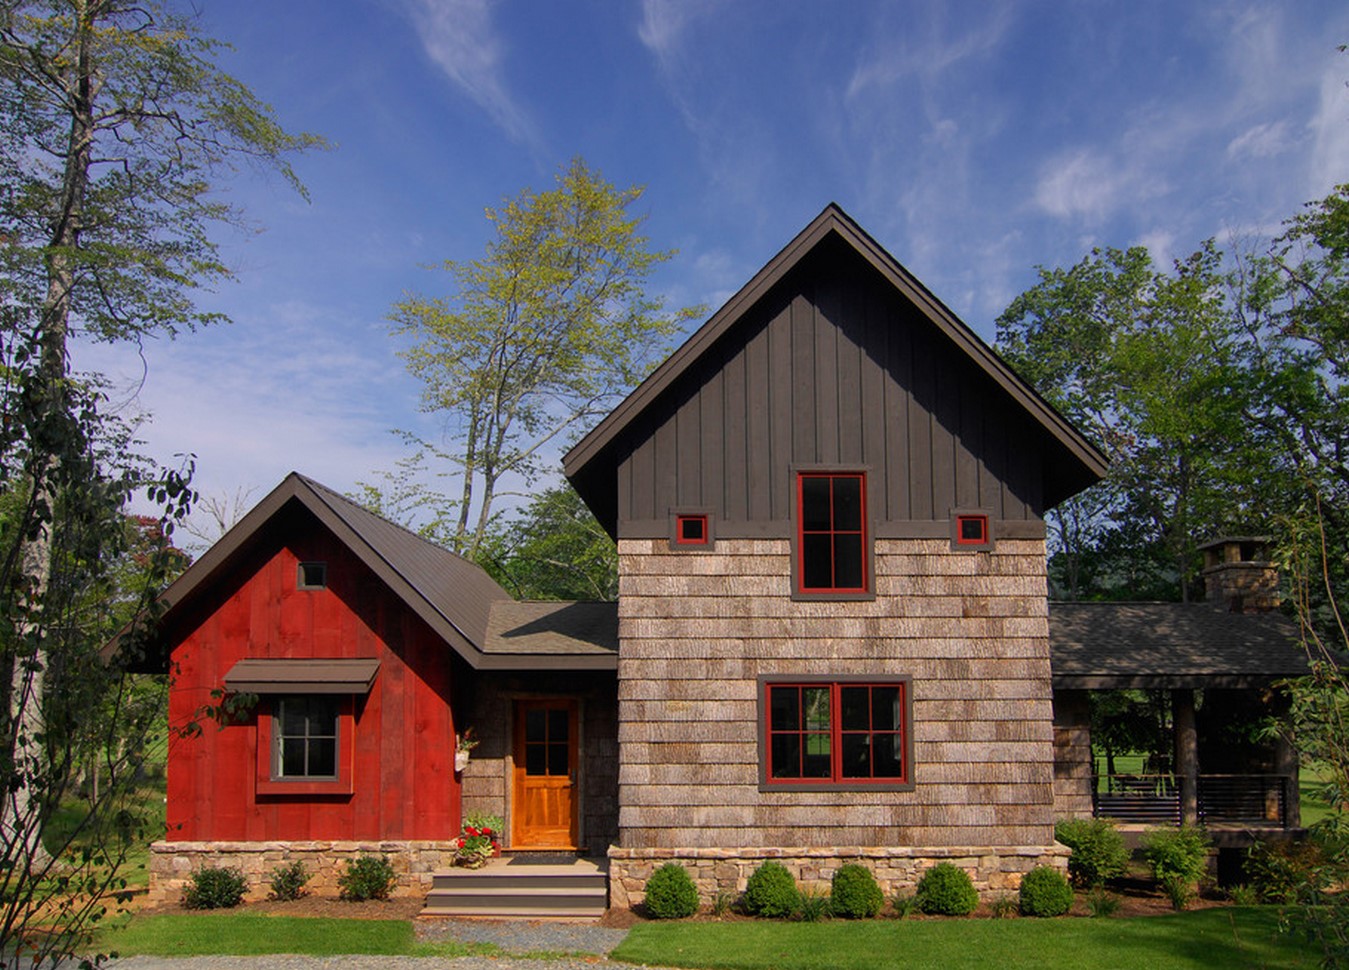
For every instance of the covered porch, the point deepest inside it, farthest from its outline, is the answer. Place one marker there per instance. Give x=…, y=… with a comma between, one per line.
x=1212, y=675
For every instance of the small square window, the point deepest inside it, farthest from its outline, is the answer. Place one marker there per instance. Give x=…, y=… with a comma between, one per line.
x=691, y=530
x=971, y=531
x=312, y=575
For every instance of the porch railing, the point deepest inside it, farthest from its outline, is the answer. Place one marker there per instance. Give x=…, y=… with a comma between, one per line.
x=1257, y=801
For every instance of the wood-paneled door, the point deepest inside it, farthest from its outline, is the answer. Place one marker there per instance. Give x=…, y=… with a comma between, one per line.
x=544, y=807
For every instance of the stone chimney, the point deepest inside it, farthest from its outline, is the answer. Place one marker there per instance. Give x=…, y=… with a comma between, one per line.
x=1239, y=576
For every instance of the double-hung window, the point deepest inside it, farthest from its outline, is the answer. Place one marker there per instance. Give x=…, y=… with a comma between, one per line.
x=841, y=733
x=833, y=553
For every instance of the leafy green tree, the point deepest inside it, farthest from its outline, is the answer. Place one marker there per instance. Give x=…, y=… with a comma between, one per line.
x=554, y=549
x=542, y=335
x=114, y=124
x=1143, y=361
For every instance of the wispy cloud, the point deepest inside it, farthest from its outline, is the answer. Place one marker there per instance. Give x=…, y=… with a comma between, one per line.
x=1261, y=141
x=459, y=37
x=1330, y=131
x=927, y=53
x=1090, y=185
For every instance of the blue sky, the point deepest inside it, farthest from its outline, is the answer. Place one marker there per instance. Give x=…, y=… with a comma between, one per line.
x=974, y=140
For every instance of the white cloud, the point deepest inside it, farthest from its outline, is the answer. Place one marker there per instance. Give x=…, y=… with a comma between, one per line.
x=1089, y=185
x=459, y=37
x=1261, y=141
x=926, y=54
x=1329, y=163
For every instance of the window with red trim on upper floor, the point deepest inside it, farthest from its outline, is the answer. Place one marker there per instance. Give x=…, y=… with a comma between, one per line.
x=843, y=733
x=832, y=544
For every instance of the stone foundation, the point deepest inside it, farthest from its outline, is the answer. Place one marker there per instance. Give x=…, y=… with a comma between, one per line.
x=993, y=869
x=172, y=863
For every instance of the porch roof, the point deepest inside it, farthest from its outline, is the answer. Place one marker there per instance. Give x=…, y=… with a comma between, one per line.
x=520, y=633
x=1103, y=646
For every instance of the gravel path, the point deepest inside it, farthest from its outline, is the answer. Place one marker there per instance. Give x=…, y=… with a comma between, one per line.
x=513, y=936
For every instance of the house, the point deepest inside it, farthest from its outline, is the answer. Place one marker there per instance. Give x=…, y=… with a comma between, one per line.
x=832, y=640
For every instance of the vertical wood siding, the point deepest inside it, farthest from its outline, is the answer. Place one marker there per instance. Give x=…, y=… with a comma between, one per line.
x=403, y=775
x=971, y=630
x=833, y=367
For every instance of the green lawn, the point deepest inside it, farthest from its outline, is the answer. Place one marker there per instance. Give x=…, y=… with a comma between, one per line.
x=1229, y=938
x=246, y=934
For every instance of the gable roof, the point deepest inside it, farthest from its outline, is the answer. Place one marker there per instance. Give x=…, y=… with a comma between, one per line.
x=1115, y=645
x=591, y=464
x=453, y=596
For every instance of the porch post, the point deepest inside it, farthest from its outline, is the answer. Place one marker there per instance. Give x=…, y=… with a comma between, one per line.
x=1187, y=755
x=1285, y=764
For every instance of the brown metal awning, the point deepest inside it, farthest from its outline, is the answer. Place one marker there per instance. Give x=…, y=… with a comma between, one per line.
x=308, y=676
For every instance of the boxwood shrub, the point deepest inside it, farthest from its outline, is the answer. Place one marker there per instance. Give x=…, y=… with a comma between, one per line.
x=215, y=887
x=1098, y=850
x=854, y=893
x=1045, y=892
x=946, y=890
x=670, y=893
x=771, y=892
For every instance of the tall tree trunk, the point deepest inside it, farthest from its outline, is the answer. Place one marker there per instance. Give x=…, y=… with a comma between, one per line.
x=21, y=822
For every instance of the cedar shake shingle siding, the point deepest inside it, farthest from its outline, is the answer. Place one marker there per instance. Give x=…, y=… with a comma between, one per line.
x=970, y=631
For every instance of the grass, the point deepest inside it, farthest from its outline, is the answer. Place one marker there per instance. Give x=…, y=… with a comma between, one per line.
x=244, y=934
x=1235, y=937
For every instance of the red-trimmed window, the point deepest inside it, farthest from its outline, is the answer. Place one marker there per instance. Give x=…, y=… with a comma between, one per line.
x=304, y=745
x=836, y=733
x=972, y=530
x=691, y=530
x=831, y=536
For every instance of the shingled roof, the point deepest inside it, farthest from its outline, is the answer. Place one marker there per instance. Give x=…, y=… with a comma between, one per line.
x=455, y=597
x=1174, y=645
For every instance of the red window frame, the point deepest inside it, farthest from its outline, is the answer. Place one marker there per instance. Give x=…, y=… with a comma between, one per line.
x=832, y=738
x=682, y=520
x=839, y=538
x=967, y=519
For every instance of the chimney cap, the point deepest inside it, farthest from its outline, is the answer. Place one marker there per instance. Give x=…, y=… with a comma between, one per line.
x=1228, y=540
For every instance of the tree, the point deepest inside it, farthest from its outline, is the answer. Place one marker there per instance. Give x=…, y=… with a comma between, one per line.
x=554, y=550
x=1144, y=361
x=543, y=335
x=114, y=122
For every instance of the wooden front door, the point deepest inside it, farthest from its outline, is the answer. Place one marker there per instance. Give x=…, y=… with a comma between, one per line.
x=544, y=807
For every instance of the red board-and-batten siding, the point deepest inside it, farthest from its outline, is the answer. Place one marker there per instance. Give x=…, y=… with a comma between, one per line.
x=970, y=629
x=403, y=777
x=832, y=367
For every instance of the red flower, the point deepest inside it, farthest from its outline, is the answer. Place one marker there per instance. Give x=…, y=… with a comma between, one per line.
x=470, y=830
x=486, y=831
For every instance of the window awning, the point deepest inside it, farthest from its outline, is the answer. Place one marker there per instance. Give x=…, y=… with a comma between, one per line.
x=307, y=676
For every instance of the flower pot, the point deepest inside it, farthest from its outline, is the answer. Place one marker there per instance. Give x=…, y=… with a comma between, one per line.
x=460, y=760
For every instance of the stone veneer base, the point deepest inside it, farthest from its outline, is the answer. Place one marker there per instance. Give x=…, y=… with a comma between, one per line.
x=993, y=869
x=172, y=863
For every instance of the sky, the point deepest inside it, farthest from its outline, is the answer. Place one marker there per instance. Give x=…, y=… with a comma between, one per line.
x=974, y=139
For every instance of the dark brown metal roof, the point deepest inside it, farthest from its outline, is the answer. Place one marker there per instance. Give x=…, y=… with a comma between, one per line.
x=452, y=595
x=302, y=676
x=1112, y=645
x=1071, y=464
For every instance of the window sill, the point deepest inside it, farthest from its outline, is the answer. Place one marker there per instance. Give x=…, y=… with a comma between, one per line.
x=856, y=785
x=329, y=787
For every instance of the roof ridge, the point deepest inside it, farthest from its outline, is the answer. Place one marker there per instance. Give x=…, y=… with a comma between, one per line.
x=348, y=500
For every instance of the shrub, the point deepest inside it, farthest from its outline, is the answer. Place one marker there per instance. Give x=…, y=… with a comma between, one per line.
x=670, y=893
x=1282, y=872
x=1004, y=907
x=214, y=887
x=815, y=905
x=771, y=892
x=1101, y=904
x=367, y=877
x=287, y=882
x=722, y=903
x=904, y=904
x=854, y=893
x=1098, y=850
x=946, y=890
x=1045, y=892
x=1179, y=858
